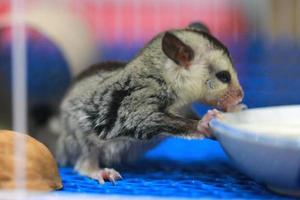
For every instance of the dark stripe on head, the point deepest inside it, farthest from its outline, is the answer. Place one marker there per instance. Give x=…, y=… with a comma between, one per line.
x=212, y=40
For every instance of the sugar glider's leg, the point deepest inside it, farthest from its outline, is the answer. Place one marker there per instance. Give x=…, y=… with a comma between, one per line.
x=88, y=166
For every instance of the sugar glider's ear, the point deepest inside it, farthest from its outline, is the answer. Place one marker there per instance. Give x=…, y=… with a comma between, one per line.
x=198, y=26
x=181, y=53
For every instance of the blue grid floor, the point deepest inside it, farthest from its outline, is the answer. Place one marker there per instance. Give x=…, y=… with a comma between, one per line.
x=209, y=175
x=205, y=180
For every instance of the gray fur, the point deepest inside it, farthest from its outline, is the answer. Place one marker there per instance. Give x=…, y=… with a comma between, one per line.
x=113, y=114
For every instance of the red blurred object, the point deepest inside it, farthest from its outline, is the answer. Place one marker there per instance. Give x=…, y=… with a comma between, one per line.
x=133, y=20
x=139, y=20
x=4, y=9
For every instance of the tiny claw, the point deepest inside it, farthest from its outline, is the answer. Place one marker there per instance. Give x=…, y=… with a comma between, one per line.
x=101, y=180
x=107, y=174
x=118, y=175
x=111, y=179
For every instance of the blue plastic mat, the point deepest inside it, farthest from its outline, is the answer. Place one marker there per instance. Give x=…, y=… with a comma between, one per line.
x=213, y=179
x=176, y=168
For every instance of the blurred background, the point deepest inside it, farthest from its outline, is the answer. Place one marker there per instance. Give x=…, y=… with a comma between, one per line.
x=64, y=37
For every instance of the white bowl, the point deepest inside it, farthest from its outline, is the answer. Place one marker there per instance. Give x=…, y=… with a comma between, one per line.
x=264, y=143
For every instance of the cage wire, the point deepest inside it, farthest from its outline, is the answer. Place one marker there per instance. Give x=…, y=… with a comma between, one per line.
x=19, y=89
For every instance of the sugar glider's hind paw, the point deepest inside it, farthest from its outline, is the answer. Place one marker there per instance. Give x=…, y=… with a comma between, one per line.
x=90, y=167
x=106, y=174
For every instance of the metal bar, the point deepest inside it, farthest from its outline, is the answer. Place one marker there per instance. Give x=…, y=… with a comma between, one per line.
x=19, y=89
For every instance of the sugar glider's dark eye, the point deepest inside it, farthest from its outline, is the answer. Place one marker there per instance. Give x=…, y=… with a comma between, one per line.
x=224, y=76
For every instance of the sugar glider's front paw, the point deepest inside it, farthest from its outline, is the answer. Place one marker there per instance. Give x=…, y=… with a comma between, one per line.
x=106, y=174
x=203, y=126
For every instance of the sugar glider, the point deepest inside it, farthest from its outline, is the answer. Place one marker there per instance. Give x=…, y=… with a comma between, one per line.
x=115, y=111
